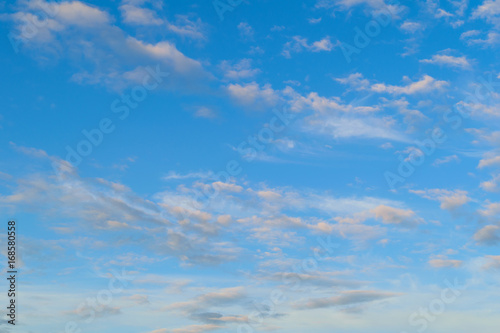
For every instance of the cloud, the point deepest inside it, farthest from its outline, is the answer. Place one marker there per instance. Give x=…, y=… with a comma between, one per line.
x=321, y=45
x=217, y=318
x=100, y=203
x=139, y=299
x=139, y=16
x=445, y=160
x=485, y=136
x=220, y=186
x=189, y=329
x=391, y=215
x=493, y=262
x=314, y=20
x=79, y=14
x=253, y=95
x=445, y=263
x=205, y=112
x=339, y=127
x=469, y=34
x=277, y=28
x=490, y=38
x=425, y=85
x=186, y=27
x=183, y=26
x=344, y=298
x=246, y=31
x=332, y=117
x=30, y=151
x=376, y=5
x=442, y=13
x=101, y=310
x=165, y=52
x=197, y=328
x=488, y=162
x=411, y=116
x=448, y=60
x=491, y=209
x=225, y=297
x=412, y=27
x=109, y=55
x=320, y=104
x=319, y=280
x=298, y=44
x=492, y=185
x=488, y=235
x=449, y=199
x=355, y=80
x=489, y=10
x=172, y=175
x=240, y=70
x=269, y=195
x=479, y=109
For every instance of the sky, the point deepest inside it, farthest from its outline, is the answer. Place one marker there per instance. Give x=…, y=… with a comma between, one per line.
x=252, y=166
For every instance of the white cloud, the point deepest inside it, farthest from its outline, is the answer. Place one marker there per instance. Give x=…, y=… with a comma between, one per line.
x=345, y=298
x=442, y=13
x=220, y=186
x=485, y=135
x=269, y=195
x=412, y=27
x=251, y=94
x=444, y=263
x=320, y=104
x=391, y=215
x=336, y=119
x=314, y=20
x=447, y=60
x=491, y=38
x=190, y=329
x=489, y=161
x=322, y=45
x=278, y=28
x=246, y=31
x=97, y=203
x=479, y=109
x=188, y=28
x=493, y=262
x=355, y=80
x=492, y=185
x=80, y=14
x=489, y=10
x=139, y=16
x=375, y=5
x=488, y=235
x=116, y=59
x=299, y=44
x=240, y=70
x=425, y=85
x=172, y=175
x=412, y=117
x=349, y=127
x=445, y=160
x=448, y=199
x=166, y=53
x=204, y=112
x=491, y=209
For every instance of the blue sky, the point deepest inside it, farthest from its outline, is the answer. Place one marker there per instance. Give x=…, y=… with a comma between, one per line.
x=253, y=166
